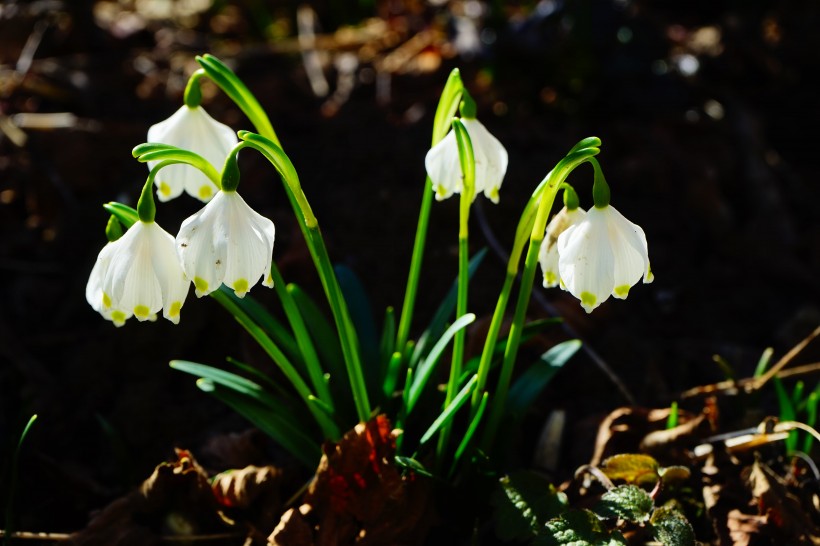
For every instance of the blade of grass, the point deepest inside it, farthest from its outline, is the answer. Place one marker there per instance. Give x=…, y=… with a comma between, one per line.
x=449, y=412
x=425, y=368
x=15, y=461
x=468, y=435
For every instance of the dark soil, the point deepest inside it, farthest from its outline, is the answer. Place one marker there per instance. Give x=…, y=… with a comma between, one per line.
x=715, y=165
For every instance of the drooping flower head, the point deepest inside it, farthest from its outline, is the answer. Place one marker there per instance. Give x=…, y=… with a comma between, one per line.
x=226, y=242
x=137, y=275
x=604, y=254
x=444, y=169
x=191, y=128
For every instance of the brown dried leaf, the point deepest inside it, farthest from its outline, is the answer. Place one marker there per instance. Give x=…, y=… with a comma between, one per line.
x=254, y=491
x=746, y=529
x=782, y=508
x=176, y=500
x=360, y=497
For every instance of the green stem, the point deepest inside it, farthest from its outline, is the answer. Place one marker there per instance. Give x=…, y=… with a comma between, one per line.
x=151, y=151
x=556, y=177
x=193, y=92
x=313, y=236
x=447, y=106
x=303, y=339
x=238, y=92
x=146, y=207
x=467, y=160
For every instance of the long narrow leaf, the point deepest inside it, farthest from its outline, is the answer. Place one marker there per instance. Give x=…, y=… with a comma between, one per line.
x=251, y=310
x=468, y=435
x=361, y=314
x=443, y=313
x=531, y=329
x=425, y=368
x=450, y=411
x=530, y=384
x=387, y=346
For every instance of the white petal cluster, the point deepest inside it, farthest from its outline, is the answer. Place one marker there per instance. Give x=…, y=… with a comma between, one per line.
x=137, y=275
x=548, y=253
x=191, y=128
x=604, y=254
x=226, y=242
x=444, y=168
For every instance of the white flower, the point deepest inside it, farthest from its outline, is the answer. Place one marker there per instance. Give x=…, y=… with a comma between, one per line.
x=226, y=242
x=137, y=275
x=548, y=253
x=444, y=169
x=194, y=130
x=605, y=254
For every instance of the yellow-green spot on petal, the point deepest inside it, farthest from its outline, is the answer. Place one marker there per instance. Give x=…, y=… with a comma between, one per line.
x=118, y=317
x=141, y=311
x=164, y=189
x=440, y=191
x=494, y=194
x=173, y=311
x=621, y=291
x=205, y=192
x=106, y=300
x=201, y=284
x=588, y=298
x=550, y=277
x=240, y=286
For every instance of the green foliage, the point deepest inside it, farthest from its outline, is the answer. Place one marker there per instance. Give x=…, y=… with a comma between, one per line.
x=523, y=503
x=670, y=527
x=579, y=528
x=628, y=502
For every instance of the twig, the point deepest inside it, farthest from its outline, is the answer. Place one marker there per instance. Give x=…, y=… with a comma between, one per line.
x=760, y=381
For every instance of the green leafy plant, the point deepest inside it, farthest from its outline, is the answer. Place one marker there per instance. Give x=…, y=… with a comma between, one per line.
x=340, y=367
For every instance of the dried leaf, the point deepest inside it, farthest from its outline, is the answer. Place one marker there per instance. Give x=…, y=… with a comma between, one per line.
x=632, y=468
x=253, y=491
x=360, y=497
x=176, y=500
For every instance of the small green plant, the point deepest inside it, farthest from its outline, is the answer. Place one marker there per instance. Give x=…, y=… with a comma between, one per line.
x=528, y=508
x=342, y=370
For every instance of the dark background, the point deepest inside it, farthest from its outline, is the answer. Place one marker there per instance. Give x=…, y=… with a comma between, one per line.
x=716, y=164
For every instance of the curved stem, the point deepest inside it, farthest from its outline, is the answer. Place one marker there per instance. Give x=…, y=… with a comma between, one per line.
x=151, y=151
x=556, y=177
x=313, y=236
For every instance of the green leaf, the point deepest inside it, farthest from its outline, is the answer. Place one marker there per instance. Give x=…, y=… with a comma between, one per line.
x=531, y=329
x=632, y=468
x=413, y=465
x=450, y=411
x=787, y=412
x=671, y=527
x=579, y=528
x=425, y=368
x=628, y=502
x=523, y=503
x=256, y=313
x=361, y=313
x=443, y=313
x=327, y=341
x=387, y=345
x=530, y=384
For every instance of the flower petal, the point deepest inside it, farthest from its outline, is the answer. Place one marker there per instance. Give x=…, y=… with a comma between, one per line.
x=191, y=129
x=443, y=167
x=490, y=159
x=586, y=262
x=628, y=243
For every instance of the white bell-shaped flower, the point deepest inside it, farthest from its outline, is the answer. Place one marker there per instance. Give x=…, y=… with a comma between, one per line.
x=191, y=128
x=548, y=253
x=137, y=275
x=444, y=168
x=226, y=242
x=604, y=254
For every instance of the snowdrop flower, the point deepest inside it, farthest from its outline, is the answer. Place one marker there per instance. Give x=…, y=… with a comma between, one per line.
x=444, y=168
x=191, y=128
x=604, y=254
x=548, y=253
x=226, y=242
x=137, y=275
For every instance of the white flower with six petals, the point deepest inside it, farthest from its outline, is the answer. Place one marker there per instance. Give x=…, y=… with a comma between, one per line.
x=137, y=275
x=444, y=169
x=191, y=128
x=226, y=242
x=604, y=254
